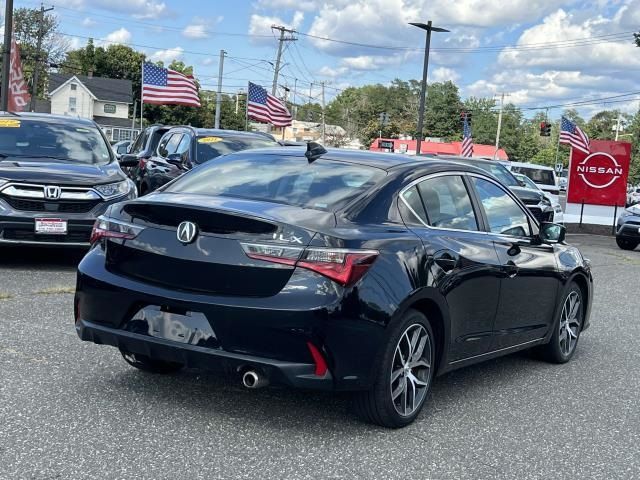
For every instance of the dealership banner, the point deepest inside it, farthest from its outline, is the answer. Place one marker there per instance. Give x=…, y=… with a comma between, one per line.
x=599, y=177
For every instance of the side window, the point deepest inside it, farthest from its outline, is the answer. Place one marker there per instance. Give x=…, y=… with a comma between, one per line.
x=162, y=146
x=141, y=141
x=504, y=215
x=183, y=146
x=172, y=144
x=447, y=203
x=411, y=208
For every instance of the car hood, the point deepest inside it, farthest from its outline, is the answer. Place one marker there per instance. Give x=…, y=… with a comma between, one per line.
x=60, y=173
x=527, y=193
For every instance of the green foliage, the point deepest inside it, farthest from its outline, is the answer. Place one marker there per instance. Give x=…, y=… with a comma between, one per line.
x=442, y=111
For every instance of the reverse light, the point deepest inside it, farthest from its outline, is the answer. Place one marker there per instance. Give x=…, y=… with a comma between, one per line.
x=343, y=266
x=106, y=227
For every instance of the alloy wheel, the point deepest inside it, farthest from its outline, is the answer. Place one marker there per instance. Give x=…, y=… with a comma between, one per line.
x=569, y=324
x=411, y=369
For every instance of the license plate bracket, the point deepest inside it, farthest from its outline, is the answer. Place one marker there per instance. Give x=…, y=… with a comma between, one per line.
x=190, y=328
x=51, y=226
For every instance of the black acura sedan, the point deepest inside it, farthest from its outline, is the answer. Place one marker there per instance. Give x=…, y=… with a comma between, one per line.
x=337, y=270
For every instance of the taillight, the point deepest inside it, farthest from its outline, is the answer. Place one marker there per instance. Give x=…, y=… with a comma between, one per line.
x=318, y=360
x=343, y=266
x=142, y=162
x=106, y=227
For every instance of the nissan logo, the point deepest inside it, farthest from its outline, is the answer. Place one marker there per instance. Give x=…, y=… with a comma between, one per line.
x=52, y=193
x=599, y=170
x=187, y=232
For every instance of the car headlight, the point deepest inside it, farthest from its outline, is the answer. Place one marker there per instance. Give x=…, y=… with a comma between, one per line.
x=113, y=190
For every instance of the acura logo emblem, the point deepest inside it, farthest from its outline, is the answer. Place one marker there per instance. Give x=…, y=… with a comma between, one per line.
x=187, y=232
x=52, y=193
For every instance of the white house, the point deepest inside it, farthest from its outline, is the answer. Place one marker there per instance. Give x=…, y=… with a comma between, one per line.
x=105, y=100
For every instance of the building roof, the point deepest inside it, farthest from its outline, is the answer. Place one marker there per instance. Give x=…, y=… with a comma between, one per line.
x=441, y=148
x=105, y=89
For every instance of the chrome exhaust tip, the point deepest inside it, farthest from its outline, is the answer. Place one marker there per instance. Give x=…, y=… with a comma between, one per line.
x=252, y=379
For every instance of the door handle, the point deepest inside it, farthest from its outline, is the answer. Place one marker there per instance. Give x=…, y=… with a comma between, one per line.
x=511, y=269
x=446, y=262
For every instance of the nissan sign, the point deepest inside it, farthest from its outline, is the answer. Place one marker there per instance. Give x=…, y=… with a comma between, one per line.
x=600, y=178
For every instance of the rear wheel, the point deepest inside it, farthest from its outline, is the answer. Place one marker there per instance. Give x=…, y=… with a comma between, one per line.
x=148, y=364
x=567, y=329
x=626, y=244
x=404, y=375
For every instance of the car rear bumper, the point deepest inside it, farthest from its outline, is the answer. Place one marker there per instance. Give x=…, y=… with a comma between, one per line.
x=271, y=334
x=300, y=375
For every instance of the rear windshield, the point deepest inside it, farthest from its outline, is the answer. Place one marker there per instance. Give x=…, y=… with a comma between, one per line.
x=543, y=177
x=210, y=146
x=33, y=140
x=321, y=185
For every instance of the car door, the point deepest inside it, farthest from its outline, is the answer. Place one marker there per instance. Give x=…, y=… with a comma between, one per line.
x=462, y=264
x=530, y=280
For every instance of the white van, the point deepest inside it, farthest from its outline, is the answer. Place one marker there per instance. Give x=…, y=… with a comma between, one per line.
x=542, y=175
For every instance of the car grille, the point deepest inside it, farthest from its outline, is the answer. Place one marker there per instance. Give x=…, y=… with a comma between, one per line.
x=633, y=222
x=541, y=216
x=28, y=235
x=25, y=205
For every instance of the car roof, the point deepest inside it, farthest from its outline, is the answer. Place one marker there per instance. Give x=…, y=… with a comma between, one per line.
x=532, y=165
x=48, y=117
x=397, y=163
x=223, y=133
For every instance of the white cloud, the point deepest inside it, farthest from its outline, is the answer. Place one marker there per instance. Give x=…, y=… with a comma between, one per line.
x=122, y=35
x=195, y=31
x=167, y=56
x=562, y=26
x=208, y=61
x=137, y=8
x=443, y=74
x=306, y=5
x=88, y=22
x=260, y=25
x=327, y=71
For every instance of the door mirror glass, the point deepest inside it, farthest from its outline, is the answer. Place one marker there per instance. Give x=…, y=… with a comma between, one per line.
x=552, y=233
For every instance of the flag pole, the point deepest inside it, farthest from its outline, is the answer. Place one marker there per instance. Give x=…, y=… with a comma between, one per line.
x=142, y=96
x=558, y=146
x=246, y=111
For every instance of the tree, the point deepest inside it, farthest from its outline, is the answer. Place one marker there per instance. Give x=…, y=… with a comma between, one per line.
x=602, y=125
x=26, y=30
x=442, y=112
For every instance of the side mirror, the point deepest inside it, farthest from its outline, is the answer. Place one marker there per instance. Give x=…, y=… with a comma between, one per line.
x=128, y=161
x=552, y=233
x=175, y=159
x=522, y=184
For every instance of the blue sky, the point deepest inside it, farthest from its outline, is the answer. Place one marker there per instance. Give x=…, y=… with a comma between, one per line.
x=534, y=50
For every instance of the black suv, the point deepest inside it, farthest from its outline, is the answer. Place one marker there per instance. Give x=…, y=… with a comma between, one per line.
x=536, y=202
x=182, y=148
x=57, y=175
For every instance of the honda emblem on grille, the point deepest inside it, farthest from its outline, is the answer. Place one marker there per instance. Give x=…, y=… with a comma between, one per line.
x=52, y=192
x=187, y=232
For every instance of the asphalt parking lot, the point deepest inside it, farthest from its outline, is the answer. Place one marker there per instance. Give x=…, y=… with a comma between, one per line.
x=70, y=409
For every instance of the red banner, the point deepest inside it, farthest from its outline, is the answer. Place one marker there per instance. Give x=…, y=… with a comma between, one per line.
x=19, y=97
x=600, y=178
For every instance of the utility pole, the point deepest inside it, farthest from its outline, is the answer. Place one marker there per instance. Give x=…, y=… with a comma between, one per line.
x=219, y=94
x=295, y=106
x=281, y=41
x=237, y=101
x=495, y=154
x=6, y=55
x=36, y=67
x=428, y=27
x=618, y=126
x=324, y=126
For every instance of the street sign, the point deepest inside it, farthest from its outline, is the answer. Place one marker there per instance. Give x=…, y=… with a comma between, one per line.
x=559, y=168
x=386, y=144
x=600, y=177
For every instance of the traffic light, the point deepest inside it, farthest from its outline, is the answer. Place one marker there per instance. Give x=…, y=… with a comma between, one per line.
x=545, y=129
x=464, y=115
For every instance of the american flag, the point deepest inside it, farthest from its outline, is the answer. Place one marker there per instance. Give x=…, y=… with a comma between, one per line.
x=162, y=86
x=266, y=108
x=571, y=134
x=467, y=140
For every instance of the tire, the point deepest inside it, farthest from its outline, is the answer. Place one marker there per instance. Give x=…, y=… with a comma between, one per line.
x=566, y=328
x=626, y=244
x=382, y=404
x=148, y=364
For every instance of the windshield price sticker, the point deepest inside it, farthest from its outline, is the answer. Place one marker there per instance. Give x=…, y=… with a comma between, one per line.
x=9, y=123
x=209, y=140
